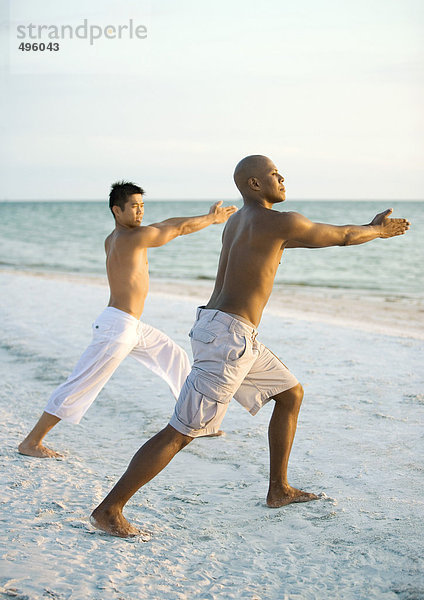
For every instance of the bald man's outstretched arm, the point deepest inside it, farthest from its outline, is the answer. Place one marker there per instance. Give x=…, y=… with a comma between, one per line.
x=300, y=232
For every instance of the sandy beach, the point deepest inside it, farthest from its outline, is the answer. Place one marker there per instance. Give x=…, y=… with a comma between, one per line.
x=209, y=533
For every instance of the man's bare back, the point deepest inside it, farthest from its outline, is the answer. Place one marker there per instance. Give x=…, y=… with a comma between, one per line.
x=249, y=260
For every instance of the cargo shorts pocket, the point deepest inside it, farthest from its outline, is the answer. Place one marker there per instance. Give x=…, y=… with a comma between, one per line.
x=201, y=401
x=212, y=389
x=238, y=348
x=202, y=335
x=207, y=348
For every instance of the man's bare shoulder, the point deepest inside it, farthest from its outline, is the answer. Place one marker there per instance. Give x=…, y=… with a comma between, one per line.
x=289, y=216
x=137, y=236
x=142, y=236
x=277, y=222
x=289, y=220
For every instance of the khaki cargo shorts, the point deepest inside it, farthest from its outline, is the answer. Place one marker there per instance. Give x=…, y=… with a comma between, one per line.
x=228, y=361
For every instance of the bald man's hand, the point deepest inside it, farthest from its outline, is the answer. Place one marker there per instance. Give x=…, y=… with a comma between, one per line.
x=389, y=227
x=221, y=213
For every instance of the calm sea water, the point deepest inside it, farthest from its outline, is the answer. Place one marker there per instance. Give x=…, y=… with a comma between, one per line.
x=67, y=237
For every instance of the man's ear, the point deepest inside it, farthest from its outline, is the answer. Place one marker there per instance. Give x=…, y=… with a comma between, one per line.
x=254, y=184
x=116, y=210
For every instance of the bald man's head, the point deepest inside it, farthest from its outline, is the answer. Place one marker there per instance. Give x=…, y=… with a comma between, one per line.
x=256, y=176
x=250, y=166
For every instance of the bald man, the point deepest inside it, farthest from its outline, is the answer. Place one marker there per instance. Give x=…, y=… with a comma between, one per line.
x=229, y=361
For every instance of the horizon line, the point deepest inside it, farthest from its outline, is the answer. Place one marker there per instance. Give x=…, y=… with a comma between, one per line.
x=105, y=200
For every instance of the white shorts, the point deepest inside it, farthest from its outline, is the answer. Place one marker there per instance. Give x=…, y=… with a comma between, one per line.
x=228, y=362
x=116, y=334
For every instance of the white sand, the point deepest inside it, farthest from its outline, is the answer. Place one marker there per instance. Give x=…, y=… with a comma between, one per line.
x=359, y=442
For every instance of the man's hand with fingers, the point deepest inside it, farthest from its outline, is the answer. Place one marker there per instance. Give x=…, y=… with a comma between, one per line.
x=221, y=213
x=389, y=227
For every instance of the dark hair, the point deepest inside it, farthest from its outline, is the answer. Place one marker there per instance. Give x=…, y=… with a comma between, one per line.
x=120, y=192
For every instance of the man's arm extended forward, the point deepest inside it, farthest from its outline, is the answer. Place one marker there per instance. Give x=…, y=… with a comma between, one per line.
x=303, y=233
x=161, y=233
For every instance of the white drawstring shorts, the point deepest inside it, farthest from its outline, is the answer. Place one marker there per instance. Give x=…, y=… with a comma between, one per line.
x=117, y=334
x=228, y=362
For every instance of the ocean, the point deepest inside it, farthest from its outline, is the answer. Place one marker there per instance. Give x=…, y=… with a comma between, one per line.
x=67, y=237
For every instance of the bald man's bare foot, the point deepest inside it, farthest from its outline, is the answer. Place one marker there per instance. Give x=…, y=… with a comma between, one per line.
x=113, y=523
x=37, y=450
x=288, y=495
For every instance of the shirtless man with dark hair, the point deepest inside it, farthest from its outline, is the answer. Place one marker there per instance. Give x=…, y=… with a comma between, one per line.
x=118, y=331
x=229, y=361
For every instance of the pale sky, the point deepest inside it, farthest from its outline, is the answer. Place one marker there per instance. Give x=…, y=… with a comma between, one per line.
x=331, y=90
